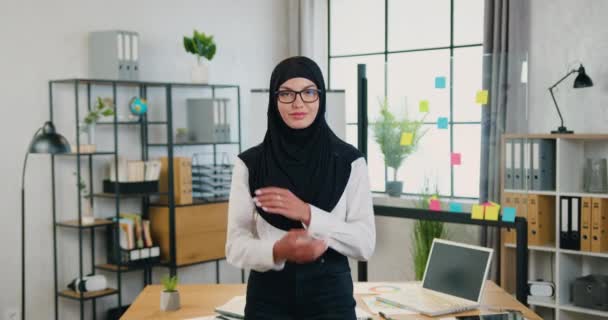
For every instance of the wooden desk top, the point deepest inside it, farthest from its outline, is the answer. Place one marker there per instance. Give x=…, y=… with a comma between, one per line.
x=201, y=299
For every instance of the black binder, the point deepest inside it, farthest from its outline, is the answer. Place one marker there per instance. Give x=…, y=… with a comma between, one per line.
x=575, y=223
x=564, y=223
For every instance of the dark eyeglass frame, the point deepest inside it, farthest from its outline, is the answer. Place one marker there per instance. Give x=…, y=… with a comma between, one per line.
x=276, y=93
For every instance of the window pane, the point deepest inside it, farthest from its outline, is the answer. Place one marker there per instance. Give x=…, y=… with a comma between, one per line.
x=468, y=21
x=467, y=142
x=411, y=79
x=414, y=24
x=351, y=134
x=429, y=164
x=375, y=162
x=357, y=26
x=344, y=76
x=467, y=81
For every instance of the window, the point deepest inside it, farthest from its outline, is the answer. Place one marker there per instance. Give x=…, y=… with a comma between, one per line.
x=406, y=45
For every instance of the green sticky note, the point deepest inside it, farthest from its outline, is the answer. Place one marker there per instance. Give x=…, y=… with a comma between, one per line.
x=424, y=106
x=482, y=97
x=407, y=138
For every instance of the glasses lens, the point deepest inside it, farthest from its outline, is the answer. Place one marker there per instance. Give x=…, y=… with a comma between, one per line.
x=310, y=95
x=287, y=96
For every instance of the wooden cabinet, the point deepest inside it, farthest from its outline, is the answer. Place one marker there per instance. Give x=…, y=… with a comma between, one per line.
x=200, y=232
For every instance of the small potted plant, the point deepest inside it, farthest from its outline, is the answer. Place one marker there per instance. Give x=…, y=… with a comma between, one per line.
x=203, y=47
x=388, y=131
x=169, y=297
x=87, y=217
x=104, y=107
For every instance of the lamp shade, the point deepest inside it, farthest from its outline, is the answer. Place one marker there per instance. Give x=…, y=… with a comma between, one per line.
x=582, y=80
x=49, y=141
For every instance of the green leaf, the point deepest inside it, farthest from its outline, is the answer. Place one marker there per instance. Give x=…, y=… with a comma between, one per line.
x=188, y=45
x=108, y=112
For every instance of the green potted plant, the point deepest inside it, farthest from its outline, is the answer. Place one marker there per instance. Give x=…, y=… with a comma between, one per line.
x=203, y=47
x=104, y=107
x=388, y=131
x=424, y=233
x=169, y=297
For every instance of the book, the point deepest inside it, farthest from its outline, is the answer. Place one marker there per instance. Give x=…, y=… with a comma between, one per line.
x=147, y=235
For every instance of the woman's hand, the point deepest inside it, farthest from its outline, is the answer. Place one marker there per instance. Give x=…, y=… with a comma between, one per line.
x=282, y=201
x=297, y=246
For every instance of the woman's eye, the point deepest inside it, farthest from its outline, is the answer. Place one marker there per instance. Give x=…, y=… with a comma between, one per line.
x=285, y=94
x=310, y=92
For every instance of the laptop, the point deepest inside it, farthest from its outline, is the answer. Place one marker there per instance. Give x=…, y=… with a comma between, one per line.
x=453, y=280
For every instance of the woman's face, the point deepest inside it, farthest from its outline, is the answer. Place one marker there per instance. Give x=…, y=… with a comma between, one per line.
x=298, y=111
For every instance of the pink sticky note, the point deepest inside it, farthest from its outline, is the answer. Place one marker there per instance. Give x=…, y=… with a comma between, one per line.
x=435, y=205
x=455, y=159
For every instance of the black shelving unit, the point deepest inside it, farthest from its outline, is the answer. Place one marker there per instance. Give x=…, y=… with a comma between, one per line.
x=76, y=85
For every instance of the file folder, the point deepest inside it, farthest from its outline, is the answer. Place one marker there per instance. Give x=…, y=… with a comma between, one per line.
x=541, y=222
x=586, y=224
x=599, y=227
x=134, y=56
x=107, y=55
x=527, y=165
x=543, y=164
x=575, y=218
x=508, y=165
x=564, y=223
x=517, y=164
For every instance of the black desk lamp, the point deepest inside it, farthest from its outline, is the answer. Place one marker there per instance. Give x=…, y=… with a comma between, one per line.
x=48, y=142
x=581, y=81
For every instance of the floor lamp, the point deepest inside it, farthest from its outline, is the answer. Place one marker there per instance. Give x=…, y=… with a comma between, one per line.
x=46, y=141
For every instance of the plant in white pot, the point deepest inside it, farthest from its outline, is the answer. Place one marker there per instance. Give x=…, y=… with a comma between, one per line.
x=203, y=47
x=169, y=297
x=104, y=107
x=388, y=131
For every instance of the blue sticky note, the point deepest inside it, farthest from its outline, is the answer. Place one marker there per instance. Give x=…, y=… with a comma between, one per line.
x=508, y=214
x=455, y=207
x=440, y=82
x=442, y=123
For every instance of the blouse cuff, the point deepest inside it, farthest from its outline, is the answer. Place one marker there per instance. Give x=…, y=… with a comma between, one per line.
x=267, y=255
x=320, y=223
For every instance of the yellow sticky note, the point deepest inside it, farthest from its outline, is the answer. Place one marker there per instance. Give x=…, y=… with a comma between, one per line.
x=482, y=97
x=407, y=138
x=424, y=106
x=477, y=212
x=492, y=212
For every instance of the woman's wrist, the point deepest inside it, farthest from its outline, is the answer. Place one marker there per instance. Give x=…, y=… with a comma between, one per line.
x=277, y=252
x=306, y=216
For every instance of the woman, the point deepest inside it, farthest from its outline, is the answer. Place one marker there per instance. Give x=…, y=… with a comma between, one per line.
x=300, y=204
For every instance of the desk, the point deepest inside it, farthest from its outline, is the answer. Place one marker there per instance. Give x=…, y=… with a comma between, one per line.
x=200, y=300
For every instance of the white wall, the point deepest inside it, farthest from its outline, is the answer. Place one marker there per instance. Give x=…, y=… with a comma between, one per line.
x=564, y=33
x=43, y=40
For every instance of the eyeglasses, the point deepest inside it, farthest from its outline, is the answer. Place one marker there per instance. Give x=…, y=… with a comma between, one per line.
x=307, y=95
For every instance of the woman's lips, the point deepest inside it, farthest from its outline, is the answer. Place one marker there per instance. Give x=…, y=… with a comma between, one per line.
x=298, y=115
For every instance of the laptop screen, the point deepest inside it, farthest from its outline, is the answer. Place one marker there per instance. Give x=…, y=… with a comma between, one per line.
x=456, y=270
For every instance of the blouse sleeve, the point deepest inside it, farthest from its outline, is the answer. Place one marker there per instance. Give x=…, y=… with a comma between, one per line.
x=355, y=235
x=243, y=248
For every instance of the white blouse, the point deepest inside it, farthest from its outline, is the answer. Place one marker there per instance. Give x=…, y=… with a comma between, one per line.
x=348, y=229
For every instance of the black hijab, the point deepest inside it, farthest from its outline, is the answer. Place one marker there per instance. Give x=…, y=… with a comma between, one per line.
x=313, y=163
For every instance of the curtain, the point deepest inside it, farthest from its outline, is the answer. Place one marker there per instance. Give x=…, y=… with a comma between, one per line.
x=307, y=30
x=495, y=80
